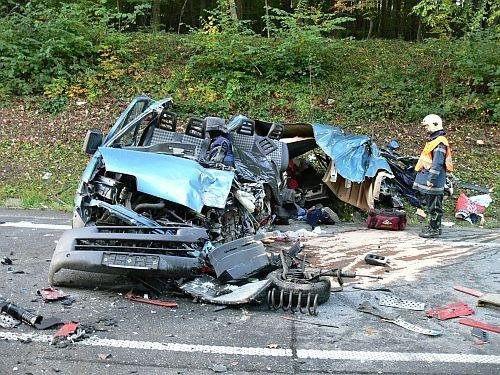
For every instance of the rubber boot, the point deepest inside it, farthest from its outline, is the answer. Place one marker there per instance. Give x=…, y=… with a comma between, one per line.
x=429, y=232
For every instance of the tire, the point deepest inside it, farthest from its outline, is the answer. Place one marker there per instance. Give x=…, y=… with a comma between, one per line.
x=321, y=288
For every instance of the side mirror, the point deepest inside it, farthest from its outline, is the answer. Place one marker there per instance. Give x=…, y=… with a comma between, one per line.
x=93, y=139
x=394, y=144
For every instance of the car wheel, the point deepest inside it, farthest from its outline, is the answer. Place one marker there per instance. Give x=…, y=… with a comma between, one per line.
x=299, y=293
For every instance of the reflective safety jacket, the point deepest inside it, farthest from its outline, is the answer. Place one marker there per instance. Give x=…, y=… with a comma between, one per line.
x=425, y=160
x=432, y=166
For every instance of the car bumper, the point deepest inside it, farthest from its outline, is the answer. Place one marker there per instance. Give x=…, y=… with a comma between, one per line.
x=167, y=251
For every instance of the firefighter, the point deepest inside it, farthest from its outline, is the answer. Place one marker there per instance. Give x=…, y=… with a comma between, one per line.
x=434, y=162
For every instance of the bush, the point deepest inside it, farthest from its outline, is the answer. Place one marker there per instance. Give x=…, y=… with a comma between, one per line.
x=48, y=50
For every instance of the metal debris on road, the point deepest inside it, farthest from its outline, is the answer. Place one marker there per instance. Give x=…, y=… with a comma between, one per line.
x=67, y=329
x=67, y=334
x=51, y=294
x=366, y=307
x=489, y=299
x=476, y=323
x=412, y=327
x=472, y=292
x=310, y=322
x=480, y=334
x=6, y=261
x=392, y=301
x=218, y=368
x=6, y=321
x=104, y=357
x=372, y=288
x=135, y=298
x=452, y=310
x=376, y=260
x=19, y=313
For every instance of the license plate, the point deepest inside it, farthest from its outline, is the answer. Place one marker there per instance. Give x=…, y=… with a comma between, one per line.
x=139, y=262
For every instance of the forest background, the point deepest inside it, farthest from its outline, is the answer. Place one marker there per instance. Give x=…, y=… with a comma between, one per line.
x=373, y=67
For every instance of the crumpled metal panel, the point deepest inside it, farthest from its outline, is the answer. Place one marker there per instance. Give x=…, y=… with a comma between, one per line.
x=356, y=157
x=175, y=179
x=239, y=259
x=393, y=301
x=211, y=290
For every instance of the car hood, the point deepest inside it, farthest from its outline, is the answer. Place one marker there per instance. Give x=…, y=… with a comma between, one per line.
x=175, y=179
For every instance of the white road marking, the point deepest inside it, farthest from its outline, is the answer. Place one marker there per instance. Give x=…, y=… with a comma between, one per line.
x=29, y=224
x=267, y=352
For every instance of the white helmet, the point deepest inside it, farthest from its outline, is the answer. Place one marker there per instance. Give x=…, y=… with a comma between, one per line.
x=433, y=123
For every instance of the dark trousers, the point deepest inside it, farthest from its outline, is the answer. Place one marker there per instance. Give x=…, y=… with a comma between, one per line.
x=435, y=210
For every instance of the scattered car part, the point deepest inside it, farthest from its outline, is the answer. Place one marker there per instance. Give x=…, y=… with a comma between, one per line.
x=393, y=301
x=37, y=321
x=46, y=323
x=480, y=334
x=19, y=313
x=209, y=289
x=489, y=299
x=67, y=329
x=135, y=298
x=340, y=274
x=6, y=261
x=376, y=260
x=309, y=322
x=51, y=294
x=104, y=357
x=414, y=328
x=69, y=333
x=470, y=291
x=366, y=307
x=372, y=289
x=476, y=323
x=7, y=321
x=239, y=259
x=168, y=250
x=296, y=290
x=452, y=310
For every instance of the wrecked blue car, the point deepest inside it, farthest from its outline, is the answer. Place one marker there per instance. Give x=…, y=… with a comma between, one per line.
x=155, y=200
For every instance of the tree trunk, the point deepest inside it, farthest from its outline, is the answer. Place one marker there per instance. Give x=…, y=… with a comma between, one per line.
x=266, y=6
x=233, y=10
x=180, y=16
x=156, y=15
x=286, y=5
x=419, y=31
x=370, y=29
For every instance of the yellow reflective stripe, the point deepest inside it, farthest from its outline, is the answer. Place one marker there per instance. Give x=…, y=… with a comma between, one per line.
x=425, y=159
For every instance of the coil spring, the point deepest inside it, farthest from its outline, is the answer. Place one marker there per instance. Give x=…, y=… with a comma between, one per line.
x=286, y=301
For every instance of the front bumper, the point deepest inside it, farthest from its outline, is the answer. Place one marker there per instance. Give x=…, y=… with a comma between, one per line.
x=173, y=251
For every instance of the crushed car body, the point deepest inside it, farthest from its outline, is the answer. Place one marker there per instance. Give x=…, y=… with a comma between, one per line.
x=184, y=205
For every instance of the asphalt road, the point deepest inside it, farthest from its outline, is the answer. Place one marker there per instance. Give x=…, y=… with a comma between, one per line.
x=197, y=338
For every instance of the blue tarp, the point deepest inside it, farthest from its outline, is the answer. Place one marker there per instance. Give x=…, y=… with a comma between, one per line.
x=172, y=178
x=356, y=157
